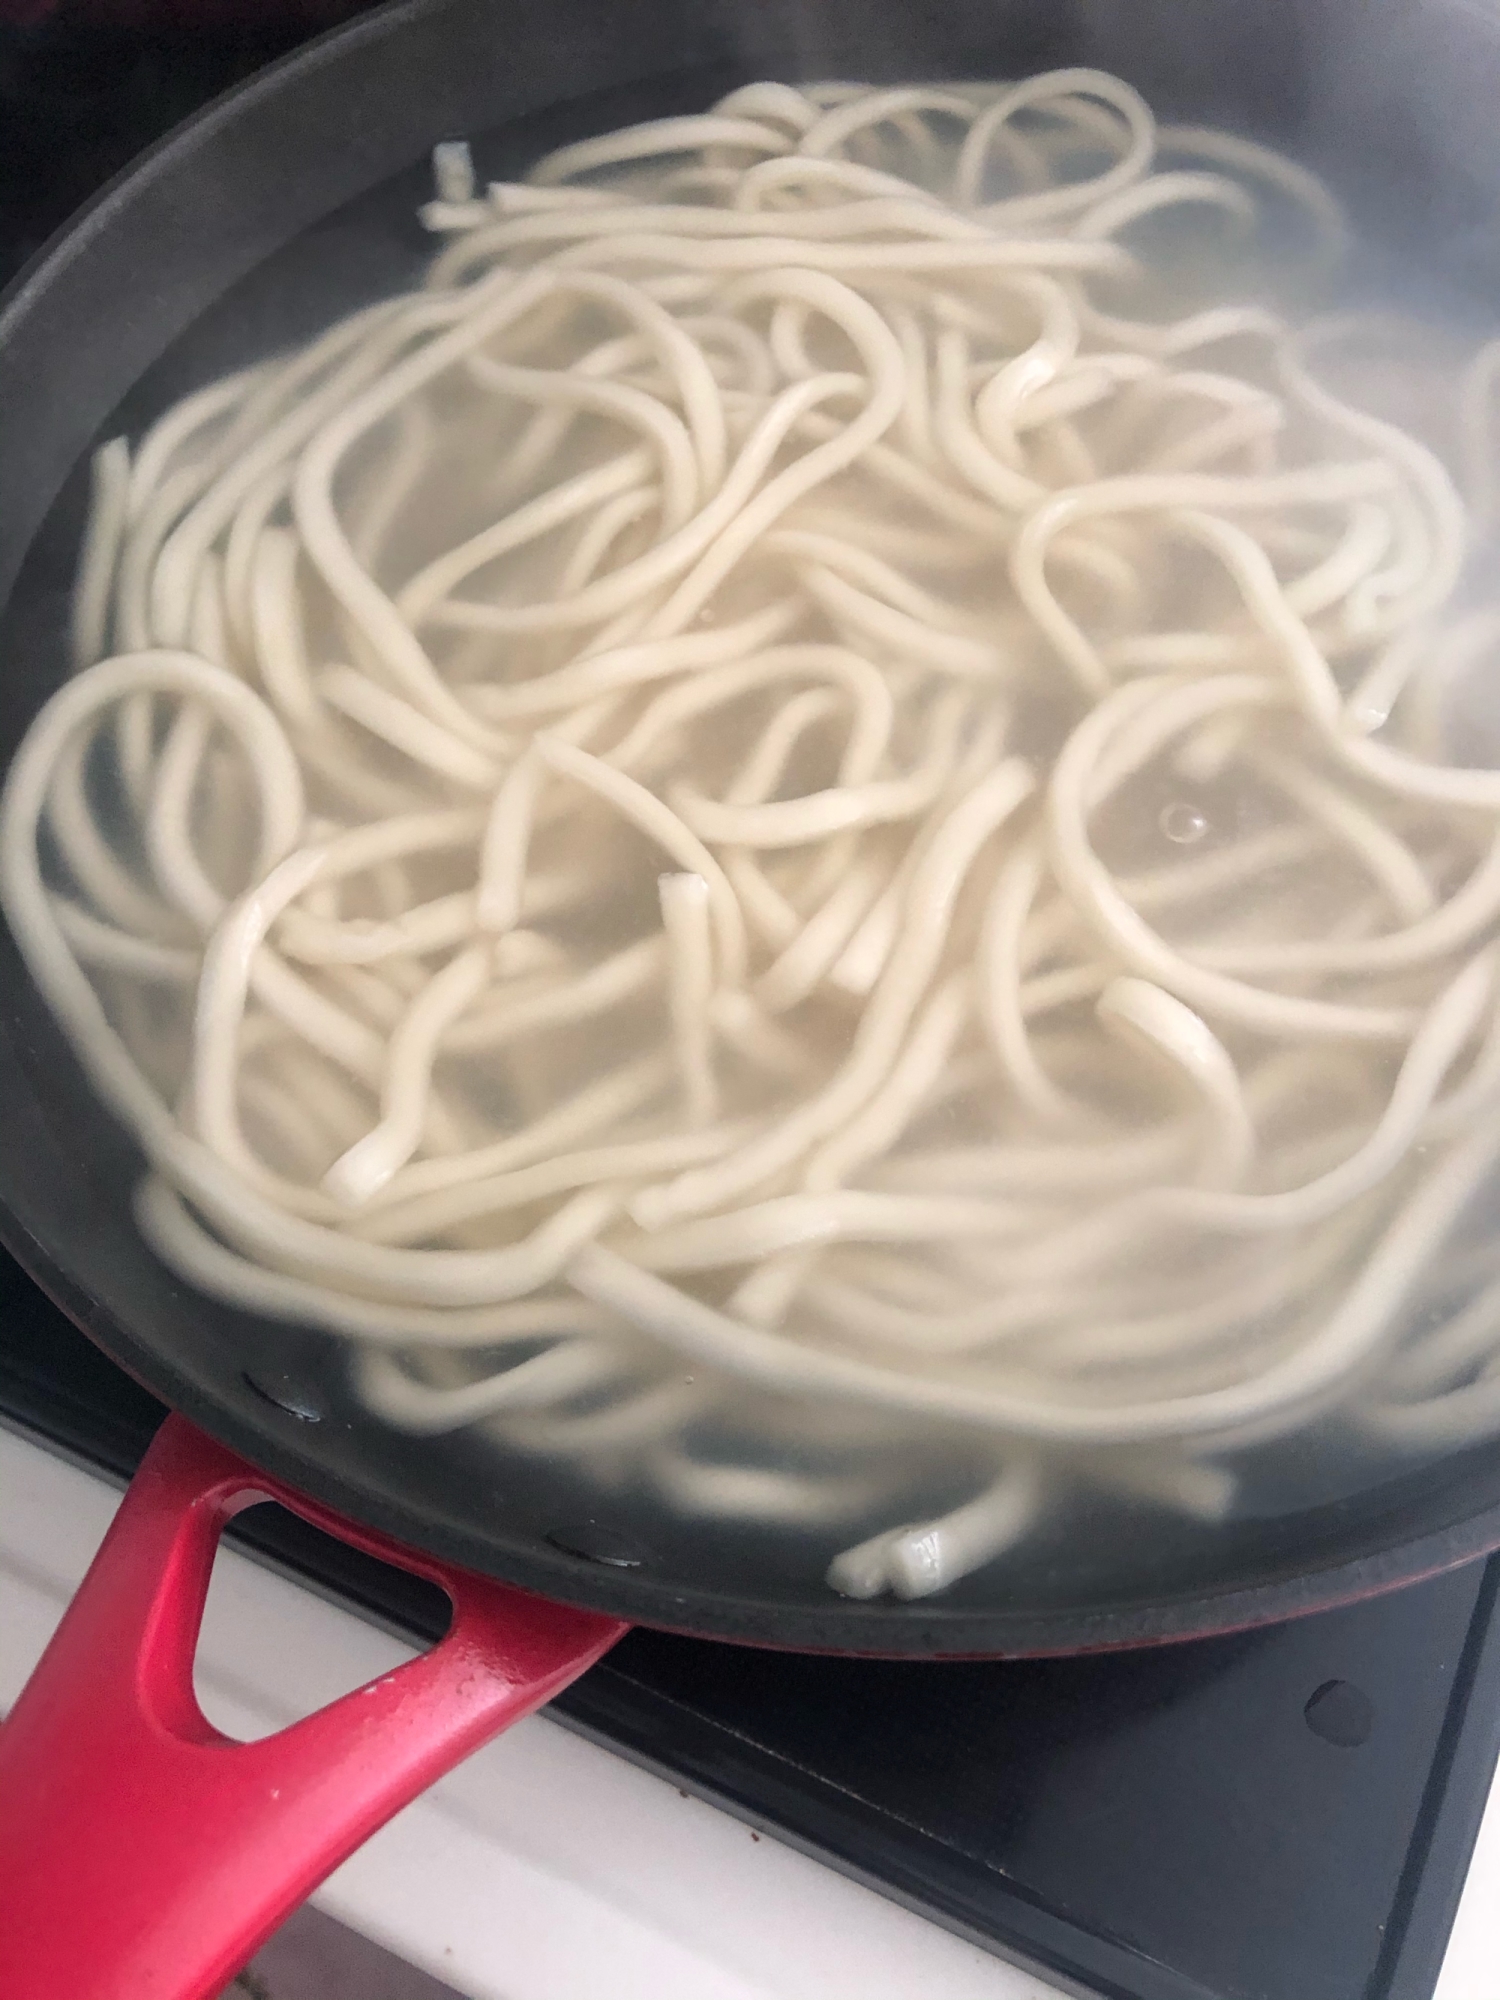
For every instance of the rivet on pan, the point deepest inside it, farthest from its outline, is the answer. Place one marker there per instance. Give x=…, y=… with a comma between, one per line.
x=286, y=1394
x=1340, y=1713
x=595, y=1543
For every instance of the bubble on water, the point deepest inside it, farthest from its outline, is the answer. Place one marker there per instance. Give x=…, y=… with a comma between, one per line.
x=1183, y=823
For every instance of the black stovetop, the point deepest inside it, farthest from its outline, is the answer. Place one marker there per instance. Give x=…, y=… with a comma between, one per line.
x=1286, y=1814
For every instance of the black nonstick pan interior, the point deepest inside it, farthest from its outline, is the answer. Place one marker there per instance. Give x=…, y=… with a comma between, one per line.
x=294, y=200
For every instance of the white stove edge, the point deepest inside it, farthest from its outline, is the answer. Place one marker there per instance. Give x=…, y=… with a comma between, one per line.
x=546, y=1867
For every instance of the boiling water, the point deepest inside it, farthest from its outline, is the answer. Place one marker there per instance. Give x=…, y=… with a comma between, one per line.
x=844, y=976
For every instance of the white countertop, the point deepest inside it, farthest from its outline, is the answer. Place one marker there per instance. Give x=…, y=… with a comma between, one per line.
x=546, y=1868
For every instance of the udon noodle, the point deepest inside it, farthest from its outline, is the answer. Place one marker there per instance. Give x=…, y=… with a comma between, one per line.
x=822, y=773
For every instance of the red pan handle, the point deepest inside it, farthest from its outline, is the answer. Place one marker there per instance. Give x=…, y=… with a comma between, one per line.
x=143, y=1854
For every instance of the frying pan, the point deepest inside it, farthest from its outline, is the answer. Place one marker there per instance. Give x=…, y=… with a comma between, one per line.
x=142, y=1855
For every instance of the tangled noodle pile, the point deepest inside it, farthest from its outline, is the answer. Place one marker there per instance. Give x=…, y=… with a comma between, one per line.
x=796, y=768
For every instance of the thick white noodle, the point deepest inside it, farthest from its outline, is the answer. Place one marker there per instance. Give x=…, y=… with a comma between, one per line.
x=791, y=767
